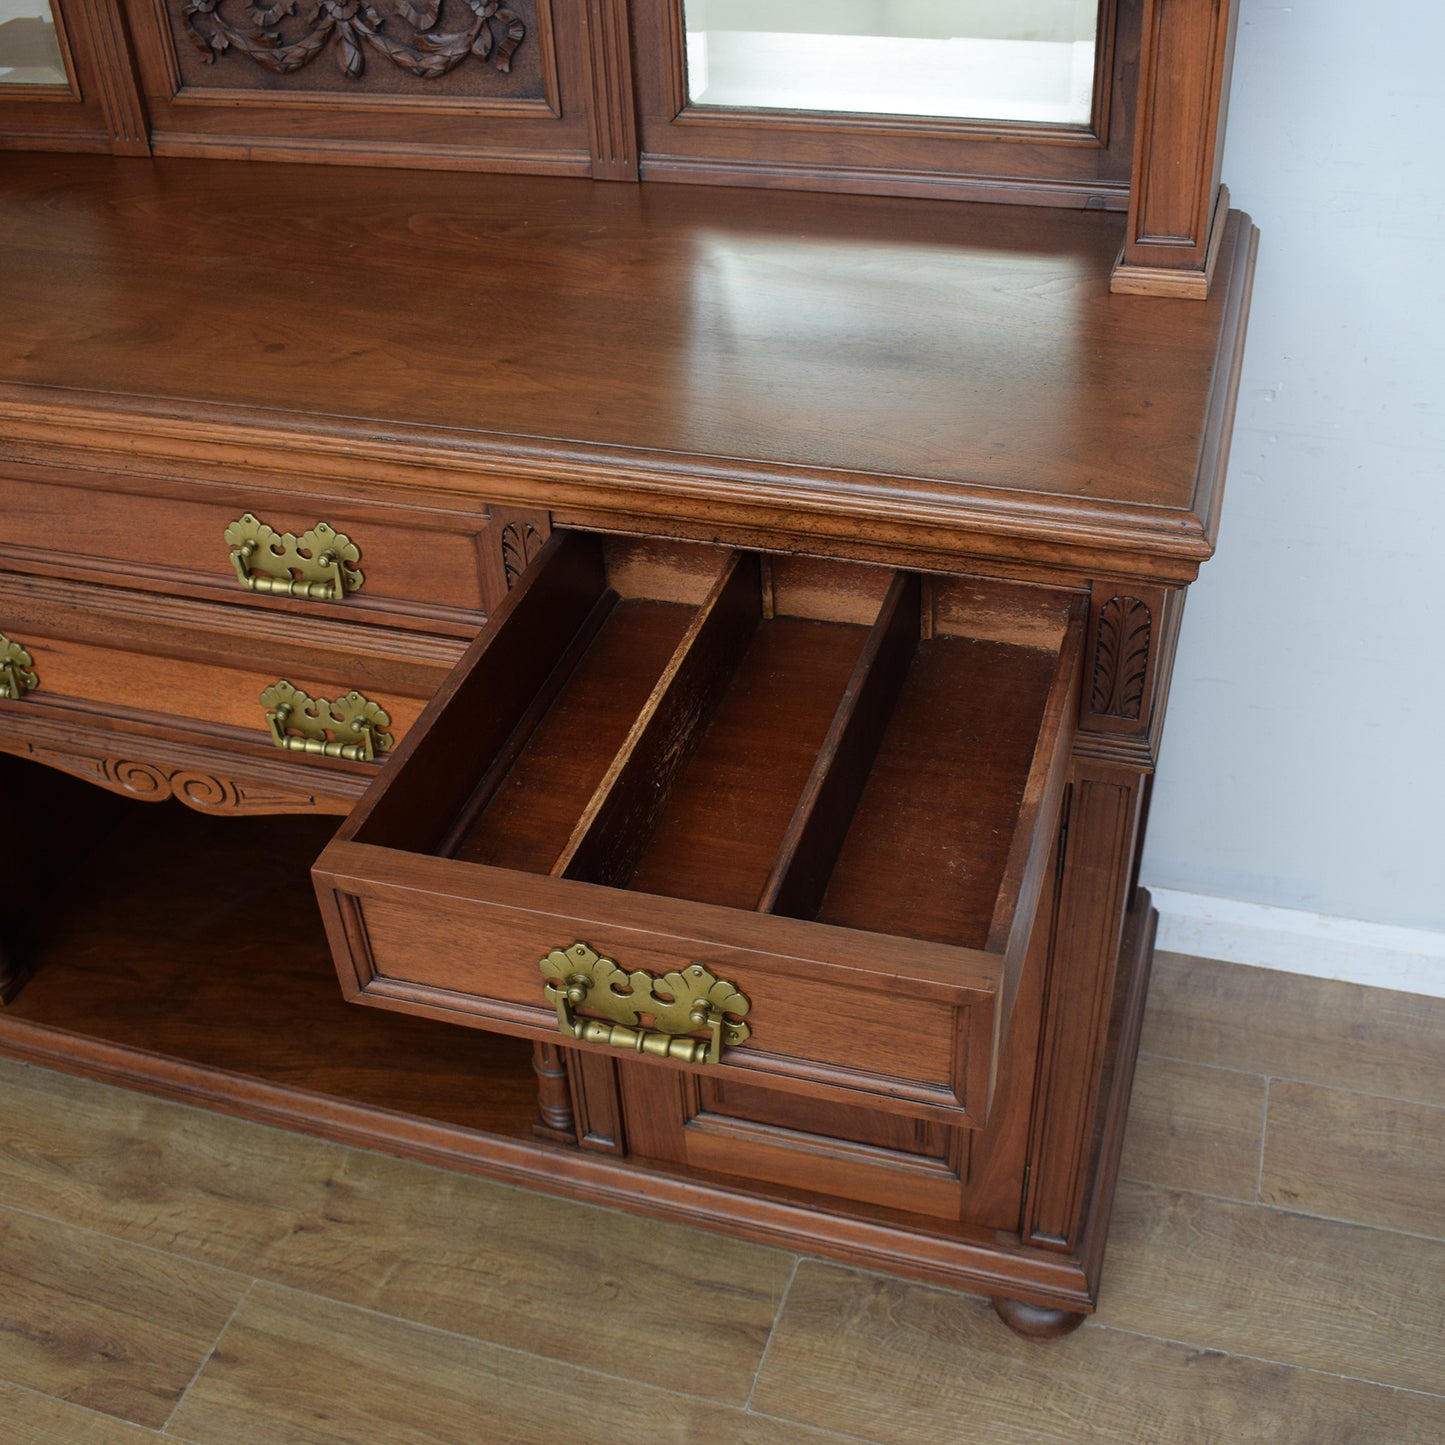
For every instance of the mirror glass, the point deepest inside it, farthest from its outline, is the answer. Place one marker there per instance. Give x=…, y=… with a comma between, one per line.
x=29, y=49
x=1015, y=60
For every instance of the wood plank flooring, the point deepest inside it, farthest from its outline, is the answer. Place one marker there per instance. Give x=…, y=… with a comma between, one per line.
x=1276, y=1273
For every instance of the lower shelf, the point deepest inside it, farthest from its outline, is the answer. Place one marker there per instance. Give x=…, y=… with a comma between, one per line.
x=148, y=974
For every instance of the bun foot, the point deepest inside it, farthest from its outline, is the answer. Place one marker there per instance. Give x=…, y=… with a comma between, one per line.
x=1035, y=1322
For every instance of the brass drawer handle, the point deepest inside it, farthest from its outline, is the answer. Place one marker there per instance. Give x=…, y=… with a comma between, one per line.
x=679, y=1004
x=352, y=727
x=320, y=564
x=17, y=672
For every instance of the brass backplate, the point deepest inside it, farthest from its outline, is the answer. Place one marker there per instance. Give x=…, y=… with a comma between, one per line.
x=678, y=1005
x=17, y=670
x=320, y=564
x=352, y=727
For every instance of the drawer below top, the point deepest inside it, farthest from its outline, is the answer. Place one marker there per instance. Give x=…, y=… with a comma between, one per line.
x=431, y=566
x=200, y=670
x=825, y=795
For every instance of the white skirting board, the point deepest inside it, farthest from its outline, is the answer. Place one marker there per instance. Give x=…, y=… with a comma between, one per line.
x=1292, y=941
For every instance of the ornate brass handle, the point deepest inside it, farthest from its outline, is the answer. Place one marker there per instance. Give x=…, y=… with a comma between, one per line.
x=679, y=1004
x=17, y=673
x=320, y=564
x=352, y=727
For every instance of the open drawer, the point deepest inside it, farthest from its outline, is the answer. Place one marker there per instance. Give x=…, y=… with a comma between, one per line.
x=774, y=817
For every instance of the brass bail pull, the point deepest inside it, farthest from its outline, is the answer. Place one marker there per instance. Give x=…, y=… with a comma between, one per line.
x=17, y=671
x=353, y=727
x=680, y=1005
x=320, y=564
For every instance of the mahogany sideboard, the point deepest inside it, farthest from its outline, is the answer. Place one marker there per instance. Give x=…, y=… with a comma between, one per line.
x=761, y=606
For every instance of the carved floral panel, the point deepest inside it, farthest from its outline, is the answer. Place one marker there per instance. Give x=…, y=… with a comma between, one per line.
x=448, y=49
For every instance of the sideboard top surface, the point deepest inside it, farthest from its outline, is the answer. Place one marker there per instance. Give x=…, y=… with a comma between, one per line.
x=652, y=350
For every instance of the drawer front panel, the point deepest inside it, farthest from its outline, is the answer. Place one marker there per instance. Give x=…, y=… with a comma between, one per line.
x=728, y=1127
x=816, y=1028
x=186, y=689
x=431, y=565
x=199, y=669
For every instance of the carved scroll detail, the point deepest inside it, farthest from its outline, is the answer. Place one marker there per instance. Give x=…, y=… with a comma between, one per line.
x=153, y=783
x=521, y=541
x=268, y=36
x=1121, y=658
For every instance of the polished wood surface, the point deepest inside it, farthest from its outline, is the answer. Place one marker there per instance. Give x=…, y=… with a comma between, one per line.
x=378, y=1290
x=871, y=371
x=602, y=88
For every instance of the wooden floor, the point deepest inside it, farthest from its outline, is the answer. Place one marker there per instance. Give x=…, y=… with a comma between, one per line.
x=1276, y=1273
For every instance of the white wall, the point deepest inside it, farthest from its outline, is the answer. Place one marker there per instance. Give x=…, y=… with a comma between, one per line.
x=1304, y=758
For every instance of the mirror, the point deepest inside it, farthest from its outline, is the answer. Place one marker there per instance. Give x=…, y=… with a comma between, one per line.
x=29, y=46
x=1003, y=60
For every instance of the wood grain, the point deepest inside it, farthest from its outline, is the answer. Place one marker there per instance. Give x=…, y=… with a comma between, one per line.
x=1194, y=1127
x=820, y=820
x=1318, y=1030
x=728, y=811
x=632, y=333
x=295, y=1370
x=930, y=841
x=1355, y=1157
x=34, y=1419
x=538, y=797
x=895, y=1362
x=103, y=1323
x=662, y=1302
x=1276, y=1286
x=617, y=823
x=352, y=1242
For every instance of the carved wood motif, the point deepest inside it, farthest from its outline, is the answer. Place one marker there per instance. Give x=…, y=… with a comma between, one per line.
x=154, y=783
x=1121, y=658
x=275, y=39
x=521, y=542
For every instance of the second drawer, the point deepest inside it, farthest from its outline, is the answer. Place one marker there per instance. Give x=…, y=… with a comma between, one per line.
x=196, y=668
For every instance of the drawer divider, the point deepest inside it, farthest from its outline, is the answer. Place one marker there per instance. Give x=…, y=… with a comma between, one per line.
x=526, y=724
x=619, y=819
x=488, y=695
x=810, y=847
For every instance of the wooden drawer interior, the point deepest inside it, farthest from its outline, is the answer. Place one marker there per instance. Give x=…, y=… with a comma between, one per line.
x=847, y=744
x=832, y=784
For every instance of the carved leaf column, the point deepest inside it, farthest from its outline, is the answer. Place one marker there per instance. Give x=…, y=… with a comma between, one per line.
x=1102, y=923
